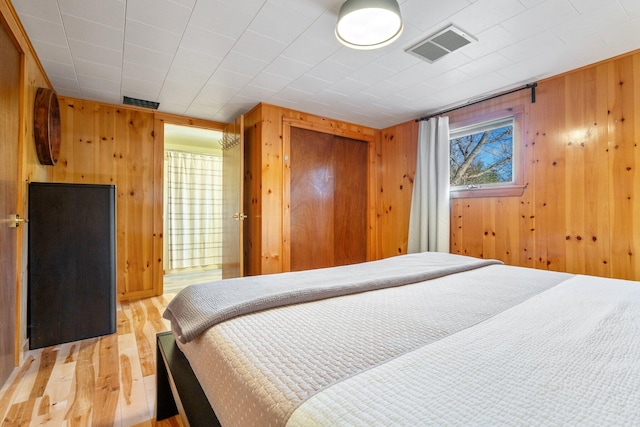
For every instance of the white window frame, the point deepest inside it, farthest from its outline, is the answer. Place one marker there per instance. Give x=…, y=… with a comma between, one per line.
x=500, y=189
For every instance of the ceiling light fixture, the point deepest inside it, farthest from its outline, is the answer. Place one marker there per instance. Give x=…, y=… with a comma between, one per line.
x=369, y=24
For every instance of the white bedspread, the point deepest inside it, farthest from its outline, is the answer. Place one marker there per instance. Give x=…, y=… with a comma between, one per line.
x=567, y=356
x=257, y=369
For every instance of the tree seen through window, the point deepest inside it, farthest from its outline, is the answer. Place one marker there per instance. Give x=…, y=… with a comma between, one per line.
x=482, y=154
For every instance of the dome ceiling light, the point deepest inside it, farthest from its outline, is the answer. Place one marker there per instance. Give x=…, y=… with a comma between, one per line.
x=369, y=24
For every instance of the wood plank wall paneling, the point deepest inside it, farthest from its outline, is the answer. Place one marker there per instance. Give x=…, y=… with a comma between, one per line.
x=106, y=144
x=265, y=198
x=580, y=211
x=396, y=157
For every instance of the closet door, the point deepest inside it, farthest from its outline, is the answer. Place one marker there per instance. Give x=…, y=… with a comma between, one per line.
x=328, y=183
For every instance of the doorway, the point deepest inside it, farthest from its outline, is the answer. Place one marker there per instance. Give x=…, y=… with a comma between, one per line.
x=192, y=206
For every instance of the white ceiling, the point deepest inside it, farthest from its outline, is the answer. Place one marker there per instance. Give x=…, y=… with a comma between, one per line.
x=216, y=59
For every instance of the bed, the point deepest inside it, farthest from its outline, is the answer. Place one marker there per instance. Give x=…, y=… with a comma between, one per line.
x=420, y=339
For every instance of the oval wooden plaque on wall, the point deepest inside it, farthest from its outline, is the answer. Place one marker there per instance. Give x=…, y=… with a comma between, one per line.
x=46, y=126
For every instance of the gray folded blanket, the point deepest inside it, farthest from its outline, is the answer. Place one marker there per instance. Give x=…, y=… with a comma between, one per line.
x=199, y=307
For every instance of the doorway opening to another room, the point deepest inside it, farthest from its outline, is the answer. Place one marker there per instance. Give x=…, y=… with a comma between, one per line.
x=192, y=206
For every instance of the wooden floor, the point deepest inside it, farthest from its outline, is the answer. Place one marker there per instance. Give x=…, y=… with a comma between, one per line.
x=106, y=381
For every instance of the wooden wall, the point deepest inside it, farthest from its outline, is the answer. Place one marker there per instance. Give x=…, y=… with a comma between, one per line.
x=108, y=144
x=396, y=162
x=580, y=211
x=266, y=243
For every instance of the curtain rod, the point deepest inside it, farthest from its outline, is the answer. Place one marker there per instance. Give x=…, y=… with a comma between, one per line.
x=531, y=86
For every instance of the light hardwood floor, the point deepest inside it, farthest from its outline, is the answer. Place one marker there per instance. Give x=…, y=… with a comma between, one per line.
x=106, y=381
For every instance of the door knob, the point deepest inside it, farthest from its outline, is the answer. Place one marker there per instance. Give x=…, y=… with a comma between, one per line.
x=13, y=221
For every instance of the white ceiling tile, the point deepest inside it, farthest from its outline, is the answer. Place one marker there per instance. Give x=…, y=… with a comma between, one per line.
x=180, y=92
x=215, y=58
x=97, y=54
x=278, y=23
x=215, y=93
x=484, y=65
x=323, y=28
x=65, y=85
x=196, y=60
x=148, y=58
x=330, y=71
x=347, y=86
x=163, y=14
x=586, y=6
x=219, y=17
x=575, y=30
x=58, y=68
x=186, y=3
x=258, y=46
x=189, y=77
x=372, y=74
x=141, y=72
x=256, y=93
x=484, y=14
x=417, y=91
x=242, y=64
x=425, y=15
x=530, y=3
x=623, y=37
x=53, y=52
x=93, y=32
x=101, y=96
x=538, y=66
x=309, y=50
x=398, y=60
x=229, y=78
x=206, y=42
x=632, y=7
x=96, y=70
x=383, y=89
x=108, y=13
x=532, y=47
x=288, y=68
x=270, y=81
x=309, y=84
x=42, y=9
x=205, y=111
x=310, y=9
x=490, y=40
x=142, y=89
x=44, y=30
x=354, y=58
x=98, y=84
x=174, y=108
x=539, y=18
x=152, y=38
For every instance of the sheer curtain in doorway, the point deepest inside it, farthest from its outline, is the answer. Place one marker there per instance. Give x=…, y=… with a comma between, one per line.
x=194, y=209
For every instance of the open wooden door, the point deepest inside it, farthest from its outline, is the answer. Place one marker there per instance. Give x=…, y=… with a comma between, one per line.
x=232, y=196
x=9, y=233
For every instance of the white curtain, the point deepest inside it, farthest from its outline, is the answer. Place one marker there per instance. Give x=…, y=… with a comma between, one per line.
x=429, y=219
x=194, y=209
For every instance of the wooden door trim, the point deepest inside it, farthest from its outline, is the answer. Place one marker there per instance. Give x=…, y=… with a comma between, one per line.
x=287, y=123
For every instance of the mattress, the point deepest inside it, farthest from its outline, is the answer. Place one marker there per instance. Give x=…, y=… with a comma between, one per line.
x=492, y=345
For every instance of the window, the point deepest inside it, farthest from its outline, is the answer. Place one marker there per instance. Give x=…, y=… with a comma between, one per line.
x=483, y=159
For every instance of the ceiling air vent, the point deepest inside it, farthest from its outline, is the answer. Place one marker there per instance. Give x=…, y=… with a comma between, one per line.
x=140, y=102
x=439, y=44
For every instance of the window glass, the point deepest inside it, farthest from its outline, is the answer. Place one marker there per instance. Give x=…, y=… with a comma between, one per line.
x=482, y=154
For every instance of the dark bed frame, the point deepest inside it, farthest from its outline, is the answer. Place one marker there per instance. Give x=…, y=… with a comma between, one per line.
x=177, y=388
